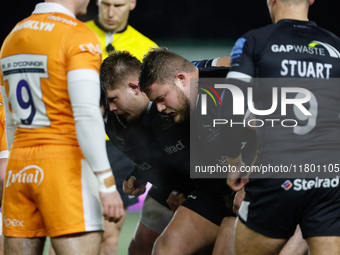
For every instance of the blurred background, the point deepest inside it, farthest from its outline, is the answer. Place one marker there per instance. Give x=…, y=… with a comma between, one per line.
x=195, y=29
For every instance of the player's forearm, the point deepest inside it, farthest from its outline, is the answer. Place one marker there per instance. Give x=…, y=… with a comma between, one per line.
x=91, y=139
x=84, y=95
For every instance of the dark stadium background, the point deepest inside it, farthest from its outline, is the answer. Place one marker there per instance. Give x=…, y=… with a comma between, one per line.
x=188, y=20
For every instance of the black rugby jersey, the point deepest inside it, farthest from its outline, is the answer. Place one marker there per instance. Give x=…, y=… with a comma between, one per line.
x=174, y=139
x=137, y=142
x=294, y=64
x=152, y=143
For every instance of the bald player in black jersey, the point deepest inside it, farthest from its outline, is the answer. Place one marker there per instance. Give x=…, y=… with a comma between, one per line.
x=304, y=59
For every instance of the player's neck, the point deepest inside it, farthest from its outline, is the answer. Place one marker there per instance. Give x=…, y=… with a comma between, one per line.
x=68, y=4
x=291, y=13
x=145, y=102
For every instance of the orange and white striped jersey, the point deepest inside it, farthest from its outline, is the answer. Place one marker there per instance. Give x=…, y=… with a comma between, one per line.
x=35, y=59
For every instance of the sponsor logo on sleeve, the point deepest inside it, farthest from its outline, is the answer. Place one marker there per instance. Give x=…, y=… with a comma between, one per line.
x=89, y=47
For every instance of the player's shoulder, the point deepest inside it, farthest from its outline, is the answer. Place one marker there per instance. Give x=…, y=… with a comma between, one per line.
x=257, y=35
x=118, y=122
x=67, y=22
x=81, y=27
x=324, y=33
x=140, y=37
x=83, y=35
x=256, y=40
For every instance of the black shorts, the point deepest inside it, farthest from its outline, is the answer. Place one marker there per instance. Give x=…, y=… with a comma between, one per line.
x=212, y=199
x=273, y=207
x=160, y=194
x=121, y=167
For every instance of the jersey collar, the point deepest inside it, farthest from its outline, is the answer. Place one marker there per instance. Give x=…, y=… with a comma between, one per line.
x=52, y=7
x=301, y=22
x=149, y=107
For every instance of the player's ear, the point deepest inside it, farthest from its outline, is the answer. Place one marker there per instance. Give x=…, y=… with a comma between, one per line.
x=274, y=1
x=311, y=2
x=271, y=2
x=134, y=86
x=133, y=4
x=182, y=78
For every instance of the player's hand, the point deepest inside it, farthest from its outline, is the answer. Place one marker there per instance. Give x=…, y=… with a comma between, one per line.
x=175, y=199
x=113, y=209
x=134, y=187
x=238, y=200
x=223, y=61
x=235, y=181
